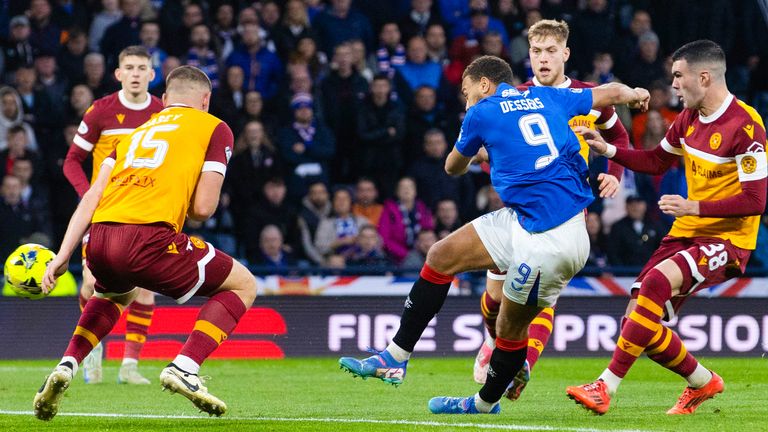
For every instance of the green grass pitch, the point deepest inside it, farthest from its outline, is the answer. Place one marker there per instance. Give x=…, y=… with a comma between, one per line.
x=314, y=395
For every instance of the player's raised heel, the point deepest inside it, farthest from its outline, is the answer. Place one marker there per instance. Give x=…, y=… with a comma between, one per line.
x=482, y=360
x=191, y=387
x=458, y=405
x=92, y=371
x=593, y=396
x=47, y=399
x=381, y=366
x=692, y=398
x=129, y=374
x=518, y=384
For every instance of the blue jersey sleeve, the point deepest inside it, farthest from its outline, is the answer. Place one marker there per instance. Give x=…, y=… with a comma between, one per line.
x=469, y=140
x=575, y=101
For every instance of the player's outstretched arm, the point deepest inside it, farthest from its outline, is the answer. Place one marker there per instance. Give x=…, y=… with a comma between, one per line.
x=654, y=162
x=615, y=94
x=78, y=224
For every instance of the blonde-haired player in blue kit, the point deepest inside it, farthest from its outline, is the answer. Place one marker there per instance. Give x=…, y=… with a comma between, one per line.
x=540, y=236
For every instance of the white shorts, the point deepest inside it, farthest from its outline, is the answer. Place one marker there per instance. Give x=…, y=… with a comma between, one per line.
x=538, y=265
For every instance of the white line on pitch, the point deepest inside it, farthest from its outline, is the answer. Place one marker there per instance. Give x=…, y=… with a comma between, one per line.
x=338, y=420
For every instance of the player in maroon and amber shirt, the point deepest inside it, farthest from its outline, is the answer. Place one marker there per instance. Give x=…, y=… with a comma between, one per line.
x=722, y=142
x=104, y=124
x=549, y=53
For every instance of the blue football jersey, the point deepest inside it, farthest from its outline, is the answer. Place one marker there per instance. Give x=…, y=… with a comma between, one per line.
x=534, y=155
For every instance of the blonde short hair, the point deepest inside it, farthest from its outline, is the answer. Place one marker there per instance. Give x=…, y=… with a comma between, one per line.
x=546, y=28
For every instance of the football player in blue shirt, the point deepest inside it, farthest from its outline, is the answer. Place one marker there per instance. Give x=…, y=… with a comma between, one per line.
x=540, y=236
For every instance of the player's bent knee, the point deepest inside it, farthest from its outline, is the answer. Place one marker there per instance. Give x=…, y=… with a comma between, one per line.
x=241, y=282
x=145, y=296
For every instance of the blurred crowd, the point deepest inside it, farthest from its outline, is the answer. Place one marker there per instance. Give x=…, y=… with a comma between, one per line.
x=343, y=111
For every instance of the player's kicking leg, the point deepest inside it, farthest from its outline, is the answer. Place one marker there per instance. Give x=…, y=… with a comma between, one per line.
x=462, y=250
x=92, y=367
x=98, y=318
x=138, y=319
x=539, y=331
x=218, y=317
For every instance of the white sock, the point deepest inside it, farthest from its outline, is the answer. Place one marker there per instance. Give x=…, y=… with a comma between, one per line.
x=72, y=361
x=611, y=380
x=481, y=405
x=400, y=355
x=700, y=377
x=186, y=364
x=127, y=361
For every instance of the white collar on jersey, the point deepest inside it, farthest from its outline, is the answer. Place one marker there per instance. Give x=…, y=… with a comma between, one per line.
x=716, y=115
x=564, y=84
x=176, y=105
x=133, y=106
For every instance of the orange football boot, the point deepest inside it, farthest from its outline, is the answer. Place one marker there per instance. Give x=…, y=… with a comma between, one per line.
x=593, y=396
x=692, y=397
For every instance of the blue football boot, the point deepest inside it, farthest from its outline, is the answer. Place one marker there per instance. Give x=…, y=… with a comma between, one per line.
x=458, y=405
x=381, y=366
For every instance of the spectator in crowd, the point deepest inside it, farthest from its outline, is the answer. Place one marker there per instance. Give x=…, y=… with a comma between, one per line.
x=224, y=29
x=262, y=68
x=80, y=99
x=95, y=75
x=254, y=162
x=593, y=31
x=367, y=250
x=300, y=82
x=34, y=192
x=269, y=13
x=474, y=26
x=18, y=221
x=518, y=47
x=53, y=84
x=339, y=24
x=123, y=33
x=418, y=255
x=18, y=148
x=452, y=11
x=149, y=34
x=366, y=204
x=423, y=115
x=381, y=128
x=228, y=103
x=336, y=235
x=202, y=54
x=175, y=32
x=598, y=255
x=306, y=52
x=635, y=237
x=759, y=258
x=418, y=19
x=602, y=73
x=306, y=146
x=437, y=50
x=446, y=217
x=272, y=251
x=360, y=60
x=272, y=209
x=110, y=14
x=402, y=219
x=70, y=59
x=659, y=104
x=431, y=178
x=655, y=129
x=315, y=207
x=17, y=50
x=46, y=33
x=418, y=69
x=648, y=65
x=38, y=108
x=12, y=114
x=391, y=52
x=170, y=63
x=341, y=92
x=627, y=47
x=294, y=27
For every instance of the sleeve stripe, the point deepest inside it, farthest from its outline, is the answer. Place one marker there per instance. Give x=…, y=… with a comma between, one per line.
x=669, y=148
x=109, y=162
x=214, y=166
x=756, y=168
x=609, y=124
x=82, y=143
